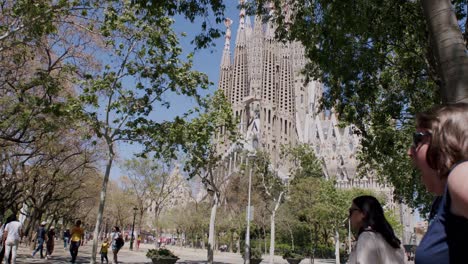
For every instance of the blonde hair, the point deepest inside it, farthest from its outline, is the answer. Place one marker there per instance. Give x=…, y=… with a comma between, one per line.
x=448, y=125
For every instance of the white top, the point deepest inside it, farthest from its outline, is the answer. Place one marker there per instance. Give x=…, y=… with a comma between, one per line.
x=14, y=230
x=114, y=236
x=2, y=226
x=371, y=248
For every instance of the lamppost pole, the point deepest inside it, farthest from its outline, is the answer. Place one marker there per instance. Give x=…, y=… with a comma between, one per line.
x=107, y=224
x=133, y=227
x=349, y=235
x=247, y=232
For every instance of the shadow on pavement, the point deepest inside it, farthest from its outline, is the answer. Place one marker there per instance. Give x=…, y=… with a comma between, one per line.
x=26, y=258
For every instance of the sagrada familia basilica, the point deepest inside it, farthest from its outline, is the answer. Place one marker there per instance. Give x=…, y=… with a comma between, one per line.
x=276, y=106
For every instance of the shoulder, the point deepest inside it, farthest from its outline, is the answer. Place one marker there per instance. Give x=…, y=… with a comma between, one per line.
x=368, y=235
x=458, y=187
x=367, y=240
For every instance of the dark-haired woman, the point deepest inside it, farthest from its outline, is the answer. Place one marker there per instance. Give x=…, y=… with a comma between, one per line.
x=440, y=152
x=376, y=241
x=115, y=235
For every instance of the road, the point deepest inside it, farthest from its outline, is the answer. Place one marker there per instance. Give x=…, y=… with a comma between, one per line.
x=186, y=255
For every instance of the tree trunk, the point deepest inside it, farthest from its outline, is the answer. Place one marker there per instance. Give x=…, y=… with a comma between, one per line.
x=272, y=237
x=313, y=240
x=292, y=236
x=101, y=204
x=211, y=234
x=337, y=246
x=449, y=48
x=140, y=221
x=231, y=241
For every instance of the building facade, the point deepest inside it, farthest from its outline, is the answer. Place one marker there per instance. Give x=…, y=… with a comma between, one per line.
x=276, y=106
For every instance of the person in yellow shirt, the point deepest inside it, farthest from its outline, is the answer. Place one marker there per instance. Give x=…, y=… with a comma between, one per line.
x=104, y=248
x=76, y=240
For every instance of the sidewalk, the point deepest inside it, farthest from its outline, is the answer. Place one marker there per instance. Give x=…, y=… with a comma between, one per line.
x=186, y=255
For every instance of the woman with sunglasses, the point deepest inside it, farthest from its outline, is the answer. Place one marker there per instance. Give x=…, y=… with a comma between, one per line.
x=440, y=152
x=376, y=241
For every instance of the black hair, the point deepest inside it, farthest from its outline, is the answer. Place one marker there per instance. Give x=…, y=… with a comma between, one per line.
x=10, y=218
x=117, y=228
x=375, y=218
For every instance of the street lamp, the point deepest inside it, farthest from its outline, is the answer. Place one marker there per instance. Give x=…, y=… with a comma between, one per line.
x=133, y=227
x=247, y=232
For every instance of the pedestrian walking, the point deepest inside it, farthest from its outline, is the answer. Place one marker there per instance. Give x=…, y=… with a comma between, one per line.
x=440, y=152
x=138, y=241
x=66, y=238
x=104, y=249
x=376, y=241
x=40, y=238
x=50, y=242
x=13, y=232
x=117, y=242
x=76, y=240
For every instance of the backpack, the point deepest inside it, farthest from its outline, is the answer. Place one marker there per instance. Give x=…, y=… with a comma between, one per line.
x=119, y=242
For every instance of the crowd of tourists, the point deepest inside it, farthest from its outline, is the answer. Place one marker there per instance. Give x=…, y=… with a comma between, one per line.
x=11, y=234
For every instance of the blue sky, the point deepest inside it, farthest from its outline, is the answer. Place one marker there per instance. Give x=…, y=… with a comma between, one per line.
x=206, y=61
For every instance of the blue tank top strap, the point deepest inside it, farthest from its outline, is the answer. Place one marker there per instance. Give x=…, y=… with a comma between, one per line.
x=456, y=164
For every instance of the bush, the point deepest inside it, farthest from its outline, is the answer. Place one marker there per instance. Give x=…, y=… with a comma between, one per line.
x=161, y=253
x=255, y=253
x=325, y=252
x=281, y=249
x=289, y=254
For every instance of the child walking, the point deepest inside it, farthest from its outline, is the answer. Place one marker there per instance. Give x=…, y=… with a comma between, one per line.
x=104, y=248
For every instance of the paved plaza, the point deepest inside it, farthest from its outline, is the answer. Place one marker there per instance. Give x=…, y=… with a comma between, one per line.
x=186, y=255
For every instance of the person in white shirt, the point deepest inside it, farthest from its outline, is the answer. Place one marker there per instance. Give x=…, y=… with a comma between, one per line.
x=2, y=246
x=14, y=232
x=376, y=241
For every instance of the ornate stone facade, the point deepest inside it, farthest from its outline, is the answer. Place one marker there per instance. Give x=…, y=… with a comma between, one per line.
x=276, y=106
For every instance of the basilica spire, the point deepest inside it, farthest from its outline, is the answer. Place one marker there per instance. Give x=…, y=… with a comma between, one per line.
x=241, y=32
x=226, y=59
x=271, y=27
x=225, y=77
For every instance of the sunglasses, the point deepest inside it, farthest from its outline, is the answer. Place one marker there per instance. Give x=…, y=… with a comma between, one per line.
x=418, y=137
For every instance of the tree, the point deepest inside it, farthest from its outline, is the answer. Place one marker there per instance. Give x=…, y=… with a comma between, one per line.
x=120, y=203
x=203, y=159
x=151, y=184
x=381, y=63
x=141, y=61
x=273, y=191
